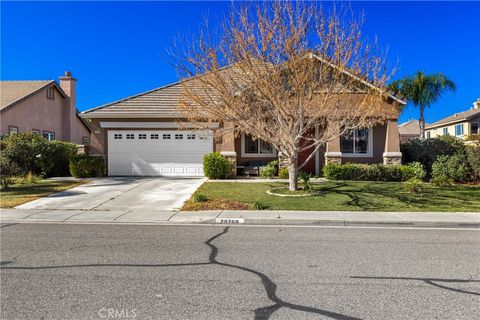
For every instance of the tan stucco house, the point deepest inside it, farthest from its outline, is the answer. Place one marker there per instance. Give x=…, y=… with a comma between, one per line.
x=460, y=125
x=409, y=130
x=141, y=135
x=43, y=107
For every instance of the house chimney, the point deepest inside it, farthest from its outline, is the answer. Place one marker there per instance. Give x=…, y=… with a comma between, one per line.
x=69, y=86
x=476, y=104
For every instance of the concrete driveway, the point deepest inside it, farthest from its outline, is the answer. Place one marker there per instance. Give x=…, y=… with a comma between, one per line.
x=121, y=194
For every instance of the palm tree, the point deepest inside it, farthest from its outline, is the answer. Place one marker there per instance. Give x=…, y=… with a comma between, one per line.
x=423, y=90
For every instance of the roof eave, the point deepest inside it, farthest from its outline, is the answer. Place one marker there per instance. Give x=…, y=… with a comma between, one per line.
x=129, y=115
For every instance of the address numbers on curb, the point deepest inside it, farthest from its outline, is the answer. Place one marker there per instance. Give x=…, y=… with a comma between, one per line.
x=230, y=220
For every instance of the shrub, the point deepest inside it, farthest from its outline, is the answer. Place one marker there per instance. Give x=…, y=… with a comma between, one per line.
x=216, y=166
x=83, y=166
x=454, y=167
x=413, y=185
x=441, y=181
x=283, y=173
x=22, y=149
x=258, y=205
x=417, y=169
x=32, y=153
x=30, y=178
x=270, y=170
x=54, y=158
x=473, y=158
x=199, y=197
x=370, y=172
x=305, y=177
x=6, y=182
x=426, y=151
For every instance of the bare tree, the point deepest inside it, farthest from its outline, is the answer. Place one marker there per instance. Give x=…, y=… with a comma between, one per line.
x=286, y=73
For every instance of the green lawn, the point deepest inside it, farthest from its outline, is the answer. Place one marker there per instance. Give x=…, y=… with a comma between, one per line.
x=25, y=192
x=345, y=195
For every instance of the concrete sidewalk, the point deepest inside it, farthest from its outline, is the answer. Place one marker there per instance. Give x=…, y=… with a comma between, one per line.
x=264, y=217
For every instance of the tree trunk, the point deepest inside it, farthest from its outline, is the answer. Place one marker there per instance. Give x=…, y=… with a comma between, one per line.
x=293, y=174
x=421, y=123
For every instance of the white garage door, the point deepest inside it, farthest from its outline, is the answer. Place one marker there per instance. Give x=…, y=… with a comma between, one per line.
x=157, y=152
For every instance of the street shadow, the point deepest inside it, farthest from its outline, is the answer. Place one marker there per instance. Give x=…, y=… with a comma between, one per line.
x=260, y=313
x=431, y=281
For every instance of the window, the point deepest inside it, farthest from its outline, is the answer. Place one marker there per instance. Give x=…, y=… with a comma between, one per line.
x=459, y=130
x=86, y=141
x=428, y=134
x=117, y=136
x=256, y=147
x=12, y=130
x=190, y=136
x=167, y=136
x=445, y=131
x=142, y=136
x=130, y=136
x=51, y=93
x=36, y=131
x=49, y=135
x=154, y=136
x=178, y=136
x=356, y=142
x=474, y=128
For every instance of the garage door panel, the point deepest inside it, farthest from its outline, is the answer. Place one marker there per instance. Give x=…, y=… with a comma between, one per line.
x=157, y=157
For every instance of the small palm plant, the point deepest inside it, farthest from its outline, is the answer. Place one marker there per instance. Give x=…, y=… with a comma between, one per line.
x=423, y=90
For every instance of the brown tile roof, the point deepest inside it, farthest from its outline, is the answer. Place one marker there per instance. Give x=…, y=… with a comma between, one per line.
x=159, y=101
x=409, y=128
x=14, y=91
x=162, y=101
x=457, y=117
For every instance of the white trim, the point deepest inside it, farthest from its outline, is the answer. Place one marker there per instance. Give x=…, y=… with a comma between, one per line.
x=255, y=155
x=392, y=154
x=156, y=125
x=228, y=153
x=333, y=154
x=369, y=153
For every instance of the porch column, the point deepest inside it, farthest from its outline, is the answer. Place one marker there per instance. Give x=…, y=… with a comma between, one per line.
x=333, y=154
x=392, y=154
x=227, y=148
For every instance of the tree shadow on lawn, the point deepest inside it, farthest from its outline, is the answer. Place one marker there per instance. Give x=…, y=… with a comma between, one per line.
x=28, y=189
x=386, y=195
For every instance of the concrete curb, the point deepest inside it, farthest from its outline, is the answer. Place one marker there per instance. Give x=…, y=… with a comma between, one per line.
x=263, y=217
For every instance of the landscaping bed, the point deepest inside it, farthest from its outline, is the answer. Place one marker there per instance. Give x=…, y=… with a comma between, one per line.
x=18, y=194
x=340, y=196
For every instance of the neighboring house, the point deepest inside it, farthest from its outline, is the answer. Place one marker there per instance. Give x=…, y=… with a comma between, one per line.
x=43, y=107
x=141, y=135
x=409, y=130
x=460, y=124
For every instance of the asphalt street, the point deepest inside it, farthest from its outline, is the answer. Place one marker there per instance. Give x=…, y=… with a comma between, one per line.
x=68, y=271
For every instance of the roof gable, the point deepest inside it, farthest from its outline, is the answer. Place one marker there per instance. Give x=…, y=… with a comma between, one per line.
x=12, y=92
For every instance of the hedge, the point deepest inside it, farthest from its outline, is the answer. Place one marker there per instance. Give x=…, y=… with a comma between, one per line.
x=427, y=151
x=463, y=167
x=29, y=152
x=83, y=166
x=373, y=172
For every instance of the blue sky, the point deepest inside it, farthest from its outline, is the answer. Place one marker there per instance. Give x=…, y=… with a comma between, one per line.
x=117, y=49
